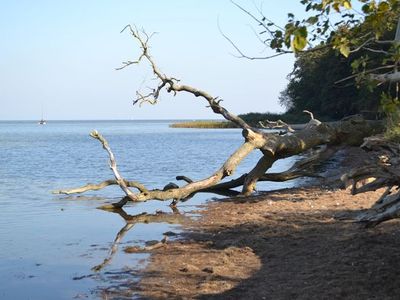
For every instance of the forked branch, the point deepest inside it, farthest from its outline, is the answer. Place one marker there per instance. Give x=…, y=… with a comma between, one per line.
x=171, y=84
x=276, y=125
x=175, y=193
x=113, y=166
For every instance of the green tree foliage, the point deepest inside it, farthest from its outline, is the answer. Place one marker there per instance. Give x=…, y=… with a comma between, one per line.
x=338, y=39
x=312, y=87
x=333, y=24
x=315, y=85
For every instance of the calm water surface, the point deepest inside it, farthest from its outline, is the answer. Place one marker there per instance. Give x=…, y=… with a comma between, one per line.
x=48, y=240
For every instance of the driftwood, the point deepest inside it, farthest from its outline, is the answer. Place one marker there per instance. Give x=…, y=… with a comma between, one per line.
x=349, y=131
x=384, y=173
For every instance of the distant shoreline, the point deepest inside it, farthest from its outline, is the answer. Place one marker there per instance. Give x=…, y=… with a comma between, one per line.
x=211, y=124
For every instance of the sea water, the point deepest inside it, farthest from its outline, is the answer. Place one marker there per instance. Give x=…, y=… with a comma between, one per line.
x=50, y=243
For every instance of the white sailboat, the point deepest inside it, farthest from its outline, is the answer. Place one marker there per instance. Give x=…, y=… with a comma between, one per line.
x=42, y=121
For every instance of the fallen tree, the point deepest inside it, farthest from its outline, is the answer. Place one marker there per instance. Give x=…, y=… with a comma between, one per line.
x=349, y=131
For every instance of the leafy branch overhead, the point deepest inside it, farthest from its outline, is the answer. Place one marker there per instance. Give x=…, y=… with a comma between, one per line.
x=330, y=23
x=347, y=26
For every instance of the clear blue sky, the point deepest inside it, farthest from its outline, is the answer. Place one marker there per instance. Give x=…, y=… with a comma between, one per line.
x=62, y=55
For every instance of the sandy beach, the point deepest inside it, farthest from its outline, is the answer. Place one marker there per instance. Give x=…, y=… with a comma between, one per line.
x=299, y=243
x=295, y=243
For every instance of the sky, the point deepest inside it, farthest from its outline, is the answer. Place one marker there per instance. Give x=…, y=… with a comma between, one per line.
x=60, y=57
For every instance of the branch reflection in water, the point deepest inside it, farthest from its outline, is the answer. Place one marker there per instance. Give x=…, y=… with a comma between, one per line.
x=144, y=218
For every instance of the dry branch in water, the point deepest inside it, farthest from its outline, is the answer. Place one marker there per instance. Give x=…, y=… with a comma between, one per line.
x=349, y=131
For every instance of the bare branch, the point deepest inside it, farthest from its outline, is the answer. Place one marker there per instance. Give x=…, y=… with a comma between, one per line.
x=365, y=72
x=171, y=84
x=276, y=124
x=301, y=168
x=113, y=166
x=388, y=77
x=101, y=185
x=313, y=121
x=376, y=50
x=255, y=140
x=362, y=45
x=261, y=23
x=242, y=55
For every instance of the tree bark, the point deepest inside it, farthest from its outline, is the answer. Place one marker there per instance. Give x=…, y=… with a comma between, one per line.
x=250, y=181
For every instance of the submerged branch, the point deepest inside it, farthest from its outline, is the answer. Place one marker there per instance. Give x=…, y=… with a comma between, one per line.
x=113, y=166
x=99, y=186
x=171, y=192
